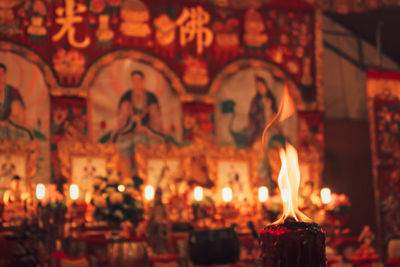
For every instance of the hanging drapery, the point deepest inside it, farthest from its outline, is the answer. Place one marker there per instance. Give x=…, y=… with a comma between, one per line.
x=383, y=92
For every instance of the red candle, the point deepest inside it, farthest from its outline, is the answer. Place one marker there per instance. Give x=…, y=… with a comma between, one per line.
x=293, y=240
x=293, y=244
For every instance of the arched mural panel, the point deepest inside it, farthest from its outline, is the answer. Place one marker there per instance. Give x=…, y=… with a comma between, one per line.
x=25, y=108
x=131, y=103
x=247, y=95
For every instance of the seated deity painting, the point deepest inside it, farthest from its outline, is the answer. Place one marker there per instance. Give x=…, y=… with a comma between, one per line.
x=132, y=103
x=25, y=107
x=246, y=102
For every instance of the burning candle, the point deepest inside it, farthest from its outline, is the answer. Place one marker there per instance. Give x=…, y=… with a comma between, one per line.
x=74, y=191
x=292, y=240
x=40, y=191
x=227, y=194
x=149, y=192
x=325, y=195
x=198, y=193
x=263, y=194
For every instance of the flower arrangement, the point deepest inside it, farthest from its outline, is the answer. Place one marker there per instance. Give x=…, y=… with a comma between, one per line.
x=69, y=64
x=339, y=204
x=117, y=200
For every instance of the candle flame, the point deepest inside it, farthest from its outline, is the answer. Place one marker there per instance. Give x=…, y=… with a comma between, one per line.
x=289, y=175
x=149, y=192
x=74, y=191
x=263, y=194
x=40, y=191
x=289, y=183
x=227, y=194
x=325, y=195
x=198, y=193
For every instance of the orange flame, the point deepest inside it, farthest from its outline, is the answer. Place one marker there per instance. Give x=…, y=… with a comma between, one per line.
x=289, y=181
x=289, y=175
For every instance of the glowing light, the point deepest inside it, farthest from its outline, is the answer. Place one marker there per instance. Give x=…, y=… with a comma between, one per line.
x=289, y=183
x=7, y=196
x=88, y=197
x=325, y=195
x=121, y=188
x=227, y=194
x=40, y=191
x=74, y=191
x=263, y=194
x=149, y=192
x=198, y=193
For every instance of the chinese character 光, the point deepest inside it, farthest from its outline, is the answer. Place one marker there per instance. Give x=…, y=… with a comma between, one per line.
x=192, y=25
x=67, y=23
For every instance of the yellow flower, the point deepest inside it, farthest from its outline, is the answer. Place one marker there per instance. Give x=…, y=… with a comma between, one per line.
x=127, y=182
x=99, y=202
x=116, y=198
x=113, y=179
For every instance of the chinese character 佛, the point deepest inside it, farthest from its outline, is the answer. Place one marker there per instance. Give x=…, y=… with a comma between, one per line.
x=66, y=18
x=192, y=25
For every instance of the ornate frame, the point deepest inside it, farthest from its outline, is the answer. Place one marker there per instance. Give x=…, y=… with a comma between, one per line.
x=251, y=156
x=213, y=155
x=68, y=149
x=28, y=149
x=143, y=154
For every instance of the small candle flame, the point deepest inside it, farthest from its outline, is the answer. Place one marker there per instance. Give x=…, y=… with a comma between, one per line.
x=289, y=182
x=40, y=191
x=227, y=194
x=263, y=194
x=149, y=192
x=74, y=191
x=325, y=195
x=198, y=193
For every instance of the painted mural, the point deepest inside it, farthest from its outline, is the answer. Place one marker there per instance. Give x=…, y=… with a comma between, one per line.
x=247, y=101
x=69, y=122
x=131, y=103
x=196, y=78
x=24, y=107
